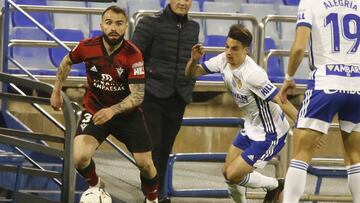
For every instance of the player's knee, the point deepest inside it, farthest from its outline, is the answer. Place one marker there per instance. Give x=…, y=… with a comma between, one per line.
x=233, y=175
x=145, y=165
x=81, y=160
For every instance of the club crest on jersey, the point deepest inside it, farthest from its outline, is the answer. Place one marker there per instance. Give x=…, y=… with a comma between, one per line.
x=119, y=71
x=237, y=83
x=138, y=68
x=343, y=70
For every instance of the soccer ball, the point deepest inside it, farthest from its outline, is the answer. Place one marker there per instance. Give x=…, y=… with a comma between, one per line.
x=95, y=195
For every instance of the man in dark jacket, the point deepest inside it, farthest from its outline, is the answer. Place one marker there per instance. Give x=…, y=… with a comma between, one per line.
x=165, y=40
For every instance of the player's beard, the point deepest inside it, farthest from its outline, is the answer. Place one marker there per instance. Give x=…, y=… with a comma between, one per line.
x=113, y=42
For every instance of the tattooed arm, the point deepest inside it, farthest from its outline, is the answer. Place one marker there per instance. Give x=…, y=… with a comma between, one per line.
x=56, y=99
x=134, y=99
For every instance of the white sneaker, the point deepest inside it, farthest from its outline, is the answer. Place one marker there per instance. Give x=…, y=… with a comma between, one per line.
x=238, y=194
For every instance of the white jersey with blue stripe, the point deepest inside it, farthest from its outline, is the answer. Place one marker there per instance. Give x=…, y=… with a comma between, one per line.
x=252, y=92
x=334, y=43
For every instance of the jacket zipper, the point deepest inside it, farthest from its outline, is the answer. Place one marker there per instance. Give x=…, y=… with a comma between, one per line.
x=179, y=27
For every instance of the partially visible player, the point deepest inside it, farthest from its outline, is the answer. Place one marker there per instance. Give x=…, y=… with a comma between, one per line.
x=115, y=76
x=266, y=127
x=332, y=29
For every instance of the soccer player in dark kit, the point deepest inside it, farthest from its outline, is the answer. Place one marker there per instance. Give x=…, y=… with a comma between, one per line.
x=115, y=76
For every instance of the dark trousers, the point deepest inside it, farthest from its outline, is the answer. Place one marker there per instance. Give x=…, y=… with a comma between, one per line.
x=164, y=118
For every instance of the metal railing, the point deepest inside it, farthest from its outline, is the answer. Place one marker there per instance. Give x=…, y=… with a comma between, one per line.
x=19, y=139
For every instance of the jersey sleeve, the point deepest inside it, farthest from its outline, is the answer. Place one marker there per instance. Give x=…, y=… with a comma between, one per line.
x=214, y=64
x=259, y=83
x=305, y=14
x=76, y=55
x=137, y=71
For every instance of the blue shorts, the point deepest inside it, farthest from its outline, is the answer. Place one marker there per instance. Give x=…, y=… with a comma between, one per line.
x=320, y=106
x=258, y=153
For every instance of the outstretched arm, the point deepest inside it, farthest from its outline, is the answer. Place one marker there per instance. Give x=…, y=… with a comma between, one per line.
x=296, y=55
x=287, y=107
x=193, y=69
x=134, y=99
x=56, y=99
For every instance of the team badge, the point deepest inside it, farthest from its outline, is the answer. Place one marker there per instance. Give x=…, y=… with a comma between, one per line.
x=119, y=71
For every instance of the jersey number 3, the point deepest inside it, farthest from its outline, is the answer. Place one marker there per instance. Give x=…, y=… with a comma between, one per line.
x=348, y=34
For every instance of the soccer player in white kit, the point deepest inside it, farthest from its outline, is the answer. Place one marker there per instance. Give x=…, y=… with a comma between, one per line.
x=332, y=30
x=266, y=127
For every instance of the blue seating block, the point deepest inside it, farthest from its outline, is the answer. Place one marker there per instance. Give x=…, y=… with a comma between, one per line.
x=31, y=57
x=215, y=41
x=57, y=54
x=291, y=2
x=274, y=69
x=18, y=19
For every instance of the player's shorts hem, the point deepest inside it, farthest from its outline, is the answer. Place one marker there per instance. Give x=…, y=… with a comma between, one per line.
x=314, y=124
x=349, y=127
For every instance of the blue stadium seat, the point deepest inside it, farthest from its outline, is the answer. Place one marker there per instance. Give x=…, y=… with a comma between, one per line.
x=57, y=54
x=18, y=19
x=291, y=2
x=33, y=58
x=69, y=20
x=163, y=3
x=215, y=41
x=136, y=5
x=219, y=27
x=274, y=70
x=94, y=33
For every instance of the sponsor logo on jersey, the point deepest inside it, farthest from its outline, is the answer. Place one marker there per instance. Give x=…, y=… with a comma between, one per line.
x=138, y=68
x=241, y=98
x=267, y=89
x=341, y=91
x=119, y=71
x=343, y=70
x=94, y=69
x=106, y=77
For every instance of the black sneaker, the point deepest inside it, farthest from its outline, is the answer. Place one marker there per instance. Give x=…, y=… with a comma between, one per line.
x=272, y=196
x=165, y=200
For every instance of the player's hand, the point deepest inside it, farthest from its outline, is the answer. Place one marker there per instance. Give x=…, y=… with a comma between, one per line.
x=103, y=115
x=56, y=100
x=197, y=52
x=287, y=85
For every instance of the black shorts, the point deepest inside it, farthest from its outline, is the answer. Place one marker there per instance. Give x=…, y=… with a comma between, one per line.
x=129, y=128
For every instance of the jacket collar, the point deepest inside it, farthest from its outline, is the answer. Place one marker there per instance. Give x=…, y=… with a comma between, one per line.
x=177, y=18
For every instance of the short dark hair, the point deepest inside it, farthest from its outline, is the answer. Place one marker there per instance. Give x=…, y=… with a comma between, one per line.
x=240, y=33
x=115, y=9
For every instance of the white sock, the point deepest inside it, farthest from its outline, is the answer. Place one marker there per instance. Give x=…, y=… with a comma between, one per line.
x=295, y=181
x=354, y=181
x=237, y=193
x=257, y=180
